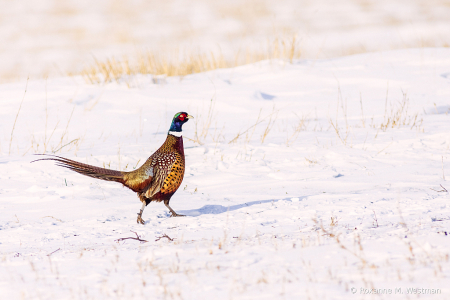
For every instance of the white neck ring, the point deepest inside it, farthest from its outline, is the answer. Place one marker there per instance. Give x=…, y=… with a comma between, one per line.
x=175, y=133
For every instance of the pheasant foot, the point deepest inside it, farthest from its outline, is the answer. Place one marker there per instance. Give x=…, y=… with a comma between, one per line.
x=174, y=214
x=139, y=217
x=140, y=220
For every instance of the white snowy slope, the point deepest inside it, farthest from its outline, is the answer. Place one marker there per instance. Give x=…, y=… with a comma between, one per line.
x=318, y=200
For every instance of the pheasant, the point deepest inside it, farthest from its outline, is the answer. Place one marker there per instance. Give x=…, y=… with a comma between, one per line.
x=156, y=180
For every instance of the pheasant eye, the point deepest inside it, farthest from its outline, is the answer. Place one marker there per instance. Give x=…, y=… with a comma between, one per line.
x=182, y=116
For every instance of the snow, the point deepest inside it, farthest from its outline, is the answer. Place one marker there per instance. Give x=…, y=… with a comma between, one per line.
x=338, y=208
x=54, y=37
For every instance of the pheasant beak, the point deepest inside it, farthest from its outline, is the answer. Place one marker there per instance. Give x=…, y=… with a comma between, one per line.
x=189, y=117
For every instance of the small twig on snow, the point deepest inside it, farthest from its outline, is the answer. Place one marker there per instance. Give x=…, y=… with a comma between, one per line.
x=53, y=218
x=53, y=251
x=164, y=236
x=443, y=189
x=137, y=238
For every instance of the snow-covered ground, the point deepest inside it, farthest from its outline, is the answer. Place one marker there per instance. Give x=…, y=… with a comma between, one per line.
x=303, y=181
x=54, y=37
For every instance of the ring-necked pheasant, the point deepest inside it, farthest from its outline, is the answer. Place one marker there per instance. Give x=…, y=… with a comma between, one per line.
x=156, y=180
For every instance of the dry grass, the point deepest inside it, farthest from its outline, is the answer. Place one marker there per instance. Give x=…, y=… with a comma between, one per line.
x=398, y=116
x=206, y=125
x=17, y=115
x=259, y=120
x=302, y=125
x=181, y=63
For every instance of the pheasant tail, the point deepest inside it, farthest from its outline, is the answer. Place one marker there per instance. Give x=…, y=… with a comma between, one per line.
x=87, y=170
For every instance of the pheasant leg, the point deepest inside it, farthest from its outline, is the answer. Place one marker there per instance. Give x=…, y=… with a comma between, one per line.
x=174, y=214
x=139, y=217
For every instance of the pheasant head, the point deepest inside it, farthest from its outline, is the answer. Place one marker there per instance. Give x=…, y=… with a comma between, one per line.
x=178, y=120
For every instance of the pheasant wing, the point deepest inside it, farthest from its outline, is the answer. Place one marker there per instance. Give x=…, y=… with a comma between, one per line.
x=161, y=165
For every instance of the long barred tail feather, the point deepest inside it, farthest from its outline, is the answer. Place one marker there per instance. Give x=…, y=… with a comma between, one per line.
x=84, y=169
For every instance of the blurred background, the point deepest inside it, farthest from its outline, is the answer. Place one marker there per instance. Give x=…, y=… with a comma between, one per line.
x=60, y=37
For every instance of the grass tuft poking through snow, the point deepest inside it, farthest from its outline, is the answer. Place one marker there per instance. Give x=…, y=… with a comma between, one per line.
x=181, y=63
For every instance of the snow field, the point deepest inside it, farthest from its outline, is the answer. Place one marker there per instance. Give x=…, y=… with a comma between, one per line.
x=299, y=184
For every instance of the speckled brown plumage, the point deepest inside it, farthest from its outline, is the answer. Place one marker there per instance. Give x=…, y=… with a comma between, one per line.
x=165, y=169
x=156, y=180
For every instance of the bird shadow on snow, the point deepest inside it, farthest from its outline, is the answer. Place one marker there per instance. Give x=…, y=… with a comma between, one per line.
x=219, y=209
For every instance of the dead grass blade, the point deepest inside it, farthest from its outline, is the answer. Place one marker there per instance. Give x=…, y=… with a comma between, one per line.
x=17, y=115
